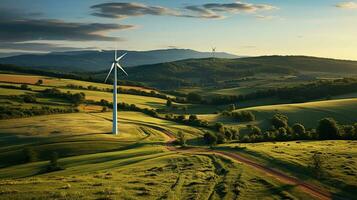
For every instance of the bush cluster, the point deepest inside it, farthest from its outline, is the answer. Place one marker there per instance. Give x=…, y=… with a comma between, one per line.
x=191, y=121
x=75, y=98
x=300, y=93
x=10, y=112
x=243, y=116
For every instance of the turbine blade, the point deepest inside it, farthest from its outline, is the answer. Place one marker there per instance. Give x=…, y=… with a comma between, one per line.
x=115, y=55
x=109, y=72
x=122, y=69
x=121, y=57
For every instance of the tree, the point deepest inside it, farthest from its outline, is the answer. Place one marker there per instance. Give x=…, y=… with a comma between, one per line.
x=29, y=98
x=193, y=118
x=218, y=126
x=299, y=129
x=29, y=154
x=317, y=164
x=54, y=166
x=256, y=130
x=39, y=82
x=328, y=129
x=279, y=120
x=181, y=138
x=169, y=102
x=104, y=108
x=232, y=107
x=210, y=139
x=24, y=87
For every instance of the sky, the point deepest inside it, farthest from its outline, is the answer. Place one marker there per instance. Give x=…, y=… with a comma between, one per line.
x=323, y=28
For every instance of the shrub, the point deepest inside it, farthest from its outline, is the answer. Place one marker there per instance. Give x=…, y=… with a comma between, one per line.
x=218, y=126
x=181, y=138
x=299, y=130
x=169, y=102
x=255, y=130
x=210, y=139
x=54, y=166
x=104, y=108
x=29, y=98
x=39, y=82
x=29, y=154
x=24, y=87
x=221, y=138
x=317, y=164
x=327, y=129
x=279, y=120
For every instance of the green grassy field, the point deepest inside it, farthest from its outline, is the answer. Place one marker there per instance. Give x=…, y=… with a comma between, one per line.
x=339, y=161
x=48, y=82
x=343, y=110
x=136, y=164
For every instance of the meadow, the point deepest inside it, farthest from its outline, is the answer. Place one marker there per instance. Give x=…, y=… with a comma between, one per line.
x=141, y=162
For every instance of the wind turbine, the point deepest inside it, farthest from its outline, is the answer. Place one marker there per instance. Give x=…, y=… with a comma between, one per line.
x=114, y=66
x=213, y=52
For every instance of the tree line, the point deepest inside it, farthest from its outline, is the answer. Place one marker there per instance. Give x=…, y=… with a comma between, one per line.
x=327, y=129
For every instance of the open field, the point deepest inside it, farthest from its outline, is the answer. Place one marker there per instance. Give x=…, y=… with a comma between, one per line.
x=145, y=173
x=49, y=82
x=58, y=82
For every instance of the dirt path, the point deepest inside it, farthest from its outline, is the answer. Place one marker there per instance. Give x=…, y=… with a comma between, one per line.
x=313, y=190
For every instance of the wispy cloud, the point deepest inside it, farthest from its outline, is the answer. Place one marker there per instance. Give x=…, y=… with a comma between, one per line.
x=347, y=5
x=123, y=10
x=17, y=28
x=206, y=11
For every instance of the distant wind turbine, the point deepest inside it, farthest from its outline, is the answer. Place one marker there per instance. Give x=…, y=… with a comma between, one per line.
x=213, y=52
x=115, y=65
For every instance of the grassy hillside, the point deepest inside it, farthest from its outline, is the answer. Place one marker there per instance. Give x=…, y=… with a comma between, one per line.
x=226, y=72
x=343, y=110
x=139, y=163
x=339, y=160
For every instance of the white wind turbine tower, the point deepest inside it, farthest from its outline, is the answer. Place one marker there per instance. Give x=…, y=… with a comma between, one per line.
x=115, y=65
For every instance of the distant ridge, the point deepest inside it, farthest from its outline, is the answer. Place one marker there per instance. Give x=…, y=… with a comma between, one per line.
x=98, y=60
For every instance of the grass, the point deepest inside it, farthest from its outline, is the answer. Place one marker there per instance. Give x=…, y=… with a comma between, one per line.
x=339, y=163
x=143, y=173
x=17, y=80
x=136, y=165
x=58, y=82
x=343, y=110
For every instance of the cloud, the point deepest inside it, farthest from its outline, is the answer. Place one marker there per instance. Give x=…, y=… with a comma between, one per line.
x=40, y=47
x=17, y=28
x=206, y=11
x=347, y=5
x=45, y=29
x=123, y=10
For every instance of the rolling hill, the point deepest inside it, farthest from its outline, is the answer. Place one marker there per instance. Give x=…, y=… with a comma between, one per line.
x=99, y=60
x=343, y=110
x=218, y=72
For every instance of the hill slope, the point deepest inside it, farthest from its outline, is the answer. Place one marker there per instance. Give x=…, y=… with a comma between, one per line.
x=209, y=71
x=95, y=60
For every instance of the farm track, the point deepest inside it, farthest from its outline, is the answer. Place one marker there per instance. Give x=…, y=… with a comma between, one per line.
x=313, y=190
x=317, y=192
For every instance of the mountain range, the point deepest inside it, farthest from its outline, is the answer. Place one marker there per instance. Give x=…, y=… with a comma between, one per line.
x=99, y=60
